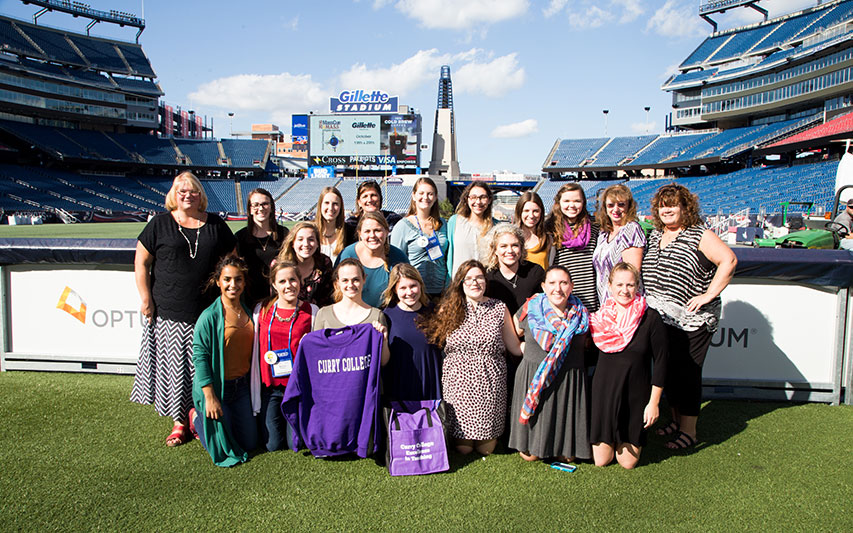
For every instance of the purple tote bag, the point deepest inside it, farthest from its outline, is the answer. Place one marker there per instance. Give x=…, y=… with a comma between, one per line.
x=416, y=441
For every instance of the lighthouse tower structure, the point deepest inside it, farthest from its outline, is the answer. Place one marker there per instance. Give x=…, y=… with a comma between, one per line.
x=444, y=160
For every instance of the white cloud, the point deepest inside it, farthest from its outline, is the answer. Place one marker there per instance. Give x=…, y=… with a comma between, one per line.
x=473, y=71
x=776, y=8
x=494, y=78
x=677, y=20
x=291, y=24
x=554, y=7
x=517, y=129
x=455, y=15
x=641, y=128
x=670, y=70
x=593, y=17
x=631, y=9
x=262, y=92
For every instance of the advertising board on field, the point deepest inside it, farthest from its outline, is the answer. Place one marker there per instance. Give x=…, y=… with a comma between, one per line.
x=74, y=312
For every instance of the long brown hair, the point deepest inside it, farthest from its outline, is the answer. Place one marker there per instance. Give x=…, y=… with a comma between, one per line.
x=464, y=210
x=539, y=228
x=320, y=222
x=250, y=219
x=434, y=215
x=400, y=271
x=274, y=270
x=369, y=184
x=618, y=193
x=451, y=310
x=288, y=254
x=558, y=221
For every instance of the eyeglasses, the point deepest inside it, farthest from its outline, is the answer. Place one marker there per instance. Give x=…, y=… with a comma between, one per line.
x=482, y=198
x=260, y=205
x=187, y=192
x=474, y=280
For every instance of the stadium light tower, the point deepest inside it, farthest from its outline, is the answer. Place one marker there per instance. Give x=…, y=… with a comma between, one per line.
x=606, y=112
x=647, y=108
x=231, y=122
x=444, y=161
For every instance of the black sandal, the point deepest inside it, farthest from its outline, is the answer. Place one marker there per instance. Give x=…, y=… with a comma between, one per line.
x=669, y=429
x=681, y=441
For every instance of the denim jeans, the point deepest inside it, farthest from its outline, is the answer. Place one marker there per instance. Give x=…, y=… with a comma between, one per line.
x=275, y=432
x=237, y=414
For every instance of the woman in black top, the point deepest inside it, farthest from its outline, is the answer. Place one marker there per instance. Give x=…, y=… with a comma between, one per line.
x=368, y=197
x=512, y=279
x=176, y=254
x=259, y=242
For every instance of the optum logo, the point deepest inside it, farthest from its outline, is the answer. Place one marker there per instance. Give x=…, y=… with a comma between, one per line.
x=72, y=303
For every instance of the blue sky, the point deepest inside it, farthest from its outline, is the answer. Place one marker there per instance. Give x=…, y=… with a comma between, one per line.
x=525, y=73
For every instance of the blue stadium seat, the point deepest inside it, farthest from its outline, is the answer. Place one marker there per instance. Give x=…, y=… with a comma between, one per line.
x=245, y=152
x=573, y=152
x=221, y=196
x=303, y=196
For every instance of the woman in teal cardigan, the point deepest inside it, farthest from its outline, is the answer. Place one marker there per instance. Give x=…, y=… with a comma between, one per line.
x=225, y=384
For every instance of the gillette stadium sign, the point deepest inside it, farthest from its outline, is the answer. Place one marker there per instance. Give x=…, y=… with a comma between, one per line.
x=363, y=102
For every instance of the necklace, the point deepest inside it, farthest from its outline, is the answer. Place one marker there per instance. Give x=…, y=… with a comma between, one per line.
x=288, y=319
x=238, y=311
x=193, y=252
x=264, y=243
x=514, y=280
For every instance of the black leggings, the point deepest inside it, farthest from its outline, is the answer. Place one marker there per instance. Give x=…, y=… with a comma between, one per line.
x=687, y=351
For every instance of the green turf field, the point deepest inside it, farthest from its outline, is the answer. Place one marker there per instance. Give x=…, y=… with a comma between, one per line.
x=77, y=455
x=100, y=230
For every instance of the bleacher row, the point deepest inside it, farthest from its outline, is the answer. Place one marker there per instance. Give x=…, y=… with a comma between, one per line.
x=32, y=189
x=75, y=49
x=67, y=143
x=767, y=37
x=751, y=188
x=650, y=150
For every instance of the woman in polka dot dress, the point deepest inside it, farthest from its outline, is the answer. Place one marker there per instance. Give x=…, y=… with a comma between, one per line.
x=475, y=332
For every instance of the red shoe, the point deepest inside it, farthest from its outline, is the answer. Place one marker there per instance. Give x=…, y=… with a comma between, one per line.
x=191, y=423
x=179, y=435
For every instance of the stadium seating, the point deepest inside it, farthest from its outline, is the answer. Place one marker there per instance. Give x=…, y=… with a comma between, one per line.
x=13, y=41
x=245, y=152
x=200, y=152
x=100, y=54
x=303, y=196
x=397, y=198
x=136, y=58
x=138, y=86
x=666, y=146
x=152, y=149
x=620, y=148
x=741, y=42
x=573, y=152
x=221, y=196
x=275, y=187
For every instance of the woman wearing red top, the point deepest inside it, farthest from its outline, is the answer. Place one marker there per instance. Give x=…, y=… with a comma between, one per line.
x=280, y=323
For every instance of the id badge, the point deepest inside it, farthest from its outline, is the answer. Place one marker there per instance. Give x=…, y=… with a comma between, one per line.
x=434, y=248
x=280, y=361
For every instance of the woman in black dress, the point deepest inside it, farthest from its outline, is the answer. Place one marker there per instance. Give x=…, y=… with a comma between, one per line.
x=512, y=278
x=176, y=254
x=258, y=243
x=625, y=390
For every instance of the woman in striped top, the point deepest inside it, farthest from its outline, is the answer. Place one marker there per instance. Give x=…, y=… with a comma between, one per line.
x=685, y=269
x=575, y=235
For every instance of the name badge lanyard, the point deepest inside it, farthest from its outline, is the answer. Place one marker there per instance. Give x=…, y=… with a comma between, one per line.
x=433, y=247
x=281, y=356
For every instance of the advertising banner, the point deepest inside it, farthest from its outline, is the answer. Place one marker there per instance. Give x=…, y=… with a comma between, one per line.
x=185, y=127
x=761, y=337
x=168, y=117
x=360, y=101
x=299, y=129
x=364, y=140
x=75, y=312
x=321, y=172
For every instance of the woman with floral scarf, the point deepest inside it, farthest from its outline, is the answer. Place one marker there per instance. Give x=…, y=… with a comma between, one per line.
x=549, y=400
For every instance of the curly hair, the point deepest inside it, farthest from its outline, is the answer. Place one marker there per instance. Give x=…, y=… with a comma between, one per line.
x=619, y=193
x=488, y=255
x=320, y=222
x=434, y=215
x=452, y=308
x=288, y=254
x=400, y=271
x=539, y=228
x=671, y=195
x=464, y=210
x=557, y=220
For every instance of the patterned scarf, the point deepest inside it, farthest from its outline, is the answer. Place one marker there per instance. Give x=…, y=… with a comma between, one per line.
x=579, y=241
x=611, y=334
x=554, y=334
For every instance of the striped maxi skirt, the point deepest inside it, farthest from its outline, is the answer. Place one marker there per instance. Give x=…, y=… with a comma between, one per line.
x=164, y=371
